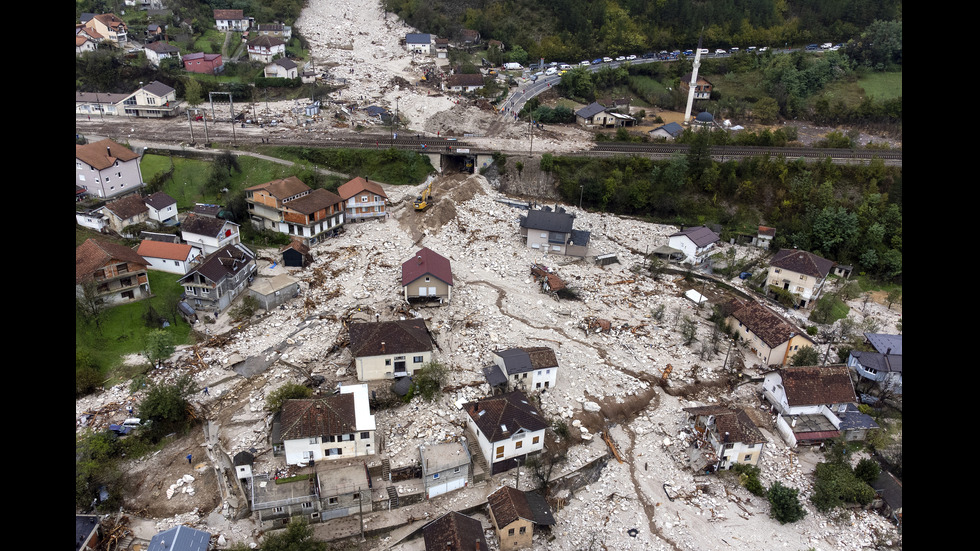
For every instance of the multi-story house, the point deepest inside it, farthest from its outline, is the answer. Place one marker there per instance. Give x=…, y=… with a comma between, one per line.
x=203, y=63
x=883, y=365
x=551, y=232
x=213, y=284
x=445, y=467
x=106, y=169
x=336, y=489
x=336, y=427
x=155, y=100
x=696, y=243
x=427, y=276
x=770, y=337
x=363, y=199
x=799, y=272
x=514, y=514
x=231, y=20
x=723, y=438
x=209, y=234
x=289, y=206
x=118, y=272
x=389, y=349
x=534, y=368
x=109, y=28
x=126, y=211
x=507, y=427
x=454, y=531
x=266, y=48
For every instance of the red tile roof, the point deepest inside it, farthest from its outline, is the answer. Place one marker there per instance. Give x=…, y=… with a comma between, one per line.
x=93, y=255
x=161, y=249
x=811, y=386
x=358, y=185
x=103, y=153
x=427, y=262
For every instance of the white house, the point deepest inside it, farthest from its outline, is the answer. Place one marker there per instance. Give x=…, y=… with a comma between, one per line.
x=209, y=234
x=93, y=219
x=176, y=258
x=163, y=208
x=281, y=68
x=723, y=438
x=811, y=402
x=884, y=365
x=106, y=169
x=155, y=100
x=160, y=50
x=696, y=243
x=231, y=20
x=389, y=349
x=337, y=427
x=533, y=368
x=799, y=272
x=507, y=427
x=266, y=48
x=419, y=43
x=445, y=467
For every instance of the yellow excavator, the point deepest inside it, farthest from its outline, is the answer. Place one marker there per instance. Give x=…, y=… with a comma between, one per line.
x=422, y=201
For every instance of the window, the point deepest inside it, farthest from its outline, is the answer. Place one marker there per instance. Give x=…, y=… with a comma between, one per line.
x=535, y=440
x=456, y=470
x=802, y=278
x=417, y=359
x=748, y=457
x=728, y=446
x=364, y=198
x=388, y=362
x=427, y=279
x=776, y=270
x=519, y=444
x=357, y=496
x=313, y=440
x=523, y=529
x=332, y=500
x=510, y=532
x=277, y=509
x=500, y=452
x=365, y=435
x=307, y=504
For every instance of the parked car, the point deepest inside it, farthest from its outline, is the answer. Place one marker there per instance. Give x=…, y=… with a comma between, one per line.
x=688, y=52
x=597, y=61
x=551, y=71
x=630, y=57
x=649, y=55
x=607, y=60
x=763, y=49
x=586, y=62
x=720, y=51
x=750, y=49
x=621, y=58
x=733, y=50
x=564, y=66
x=812, y=47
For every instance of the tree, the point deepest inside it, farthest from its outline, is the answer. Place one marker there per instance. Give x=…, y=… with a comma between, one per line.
x=428, y=380
x=166, y=406
x=895, y=295
x=806, y=356
x=193, y=93
x=766, y=110
x=91, y=305
x=159, y=346
x=298, y=536
x=867, y=470
x=784, y=503
x=289, y=391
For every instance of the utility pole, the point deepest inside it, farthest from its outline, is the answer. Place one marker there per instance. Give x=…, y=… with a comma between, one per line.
x=360, y=509
x=191, y=125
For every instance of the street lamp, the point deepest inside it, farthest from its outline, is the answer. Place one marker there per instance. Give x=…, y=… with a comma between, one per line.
x=581, y=190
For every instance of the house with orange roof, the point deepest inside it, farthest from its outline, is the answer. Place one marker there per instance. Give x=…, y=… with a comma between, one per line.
x=106, y=169
x=108, y=26
x=118, y=272
x=176, y=258
x=289, y=206
x=363, y=199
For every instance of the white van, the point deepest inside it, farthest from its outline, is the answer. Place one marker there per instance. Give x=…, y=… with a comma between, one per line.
x=550, y=71
x=132, y=422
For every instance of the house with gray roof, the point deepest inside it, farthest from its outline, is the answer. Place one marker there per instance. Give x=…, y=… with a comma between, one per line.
x=528, y=368
x=445, y=467
x=670, y=131
x=454, y=531
x=697, y=243
x=281, y=68
x=214, y=284
x=551, y=232
x=154, y=100
x=160, y=50
x=419, y=43
x=883, y=366
x=209, y=234
x=514, y=515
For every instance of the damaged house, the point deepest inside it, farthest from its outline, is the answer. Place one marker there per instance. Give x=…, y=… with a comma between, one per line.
x=336, y=427
x=723, y=437
x=213, y=284
x=534, y=368
x=514, y=514
x=427, y=276
x=551, y=232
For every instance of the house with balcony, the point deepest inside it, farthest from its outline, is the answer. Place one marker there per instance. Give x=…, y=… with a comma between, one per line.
x=769, y=336
x=222, y=276
x=702, y=87
x=515, y=514
x=277, y=30
x=697, y=243
x=231, y=20
x=363, y=200
x=209, y=234
x=723, y=438
x=291, y=207
x=883, y=365
x=508, y=428
x=815, y=404
x=106, y=169
x=799, y=272
x=551, y=232
x=98, y=104
x=340, y=426
x=155, y=100
x=107, y=27
x=117, y=272
x=266, y=48
x=389, y=349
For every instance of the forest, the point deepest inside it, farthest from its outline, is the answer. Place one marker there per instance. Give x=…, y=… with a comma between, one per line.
x=572, y=30
x=850, y=214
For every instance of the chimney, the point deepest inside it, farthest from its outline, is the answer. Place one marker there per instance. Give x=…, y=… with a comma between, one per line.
x=418, y=259
x=108, y=151
x=477, y=545
x=382, y=346
x=888, y=352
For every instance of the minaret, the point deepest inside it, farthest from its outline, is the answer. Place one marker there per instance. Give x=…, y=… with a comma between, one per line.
x=694, y=80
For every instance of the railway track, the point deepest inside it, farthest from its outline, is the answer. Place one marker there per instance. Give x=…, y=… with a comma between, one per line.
x=891, y=156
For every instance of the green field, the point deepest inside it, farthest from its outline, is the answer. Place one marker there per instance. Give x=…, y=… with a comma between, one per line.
x=882, y=86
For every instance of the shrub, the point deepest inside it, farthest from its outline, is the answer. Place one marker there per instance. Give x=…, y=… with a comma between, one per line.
x=428, y=380
x=806, y=356
x=836, y=484
x=784, y=503
x=246, y=308
x=167, y=408
x=288, y=391
x=867, y=470
x=748, y=476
